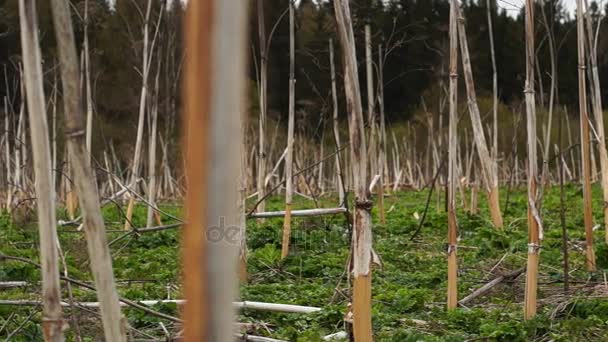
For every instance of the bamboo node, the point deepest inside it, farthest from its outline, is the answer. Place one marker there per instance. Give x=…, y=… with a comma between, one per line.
x=452, y=249
x=533, y=248
x=366, y=204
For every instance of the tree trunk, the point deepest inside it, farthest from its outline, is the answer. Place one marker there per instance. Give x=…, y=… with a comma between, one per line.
x=99, y=253
x=52, y=320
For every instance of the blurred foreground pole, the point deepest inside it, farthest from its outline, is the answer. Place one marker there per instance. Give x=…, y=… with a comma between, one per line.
x=213, y=92
x=52, y=316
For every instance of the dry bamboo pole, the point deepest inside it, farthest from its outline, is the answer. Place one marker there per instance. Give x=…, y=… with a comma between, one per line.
x=243, y=176
x=152, y=151
x=371, y=117
x=142, y=111
x=599, y=117
x=19, y=145
x=534, y=223
x=488, y=164
x=290, y=129
x=545, y=171
x=494, y=82
x=261, y=174
x=362, y=233
x=320, y=179
x=99, y=253
x=54, y=133
x=87, y=73
x=213, y=117
x=585, y=148
x=452, y=291
x=52, y=320
x=336, y=128
x=7, y=157
x=382, y=168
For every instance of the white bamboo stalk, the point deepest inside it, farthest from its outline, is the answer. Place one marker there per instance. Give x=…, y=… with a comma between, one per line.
x=290, y=129
x=243, y=305
x=52, y=320
x=99, y=253
x=371, y=118
x=152, y=152
x=261, y=174
x=494, y=83
x=7, y=156
x=87, y=73
x=146, y=51
x=534, y=223
x=488, y=164
x=362, y=232
x=452, y=291
x=585, y=145
x=599, y=116
x=336, y=128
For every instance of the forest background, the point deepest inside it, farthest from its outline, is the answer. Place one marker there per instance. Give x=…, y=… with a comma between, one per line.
x=413, y=35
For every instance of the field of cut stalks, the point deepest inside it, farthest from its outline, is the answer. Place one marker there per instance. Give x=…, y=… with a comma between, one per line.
x=409, y=282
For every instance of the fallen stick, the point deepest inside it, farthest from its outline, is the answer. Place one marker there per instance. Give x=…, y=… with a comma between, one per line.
x=246, y=305
x=298, y=213
x=252, y=338
x=92, y=288
x=341, y=335
x=487, y=287
x=12, y=284
x=275, y=307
